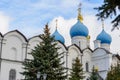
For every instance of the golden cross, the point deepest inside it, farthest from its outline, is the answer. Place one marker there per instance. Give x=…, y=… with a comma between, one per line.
x=79, y=7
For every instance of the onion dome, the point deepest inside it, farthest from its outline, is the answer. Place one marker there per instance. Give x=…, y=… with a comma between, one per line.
x=57, y=36
x=104, y=37
x=79, y=29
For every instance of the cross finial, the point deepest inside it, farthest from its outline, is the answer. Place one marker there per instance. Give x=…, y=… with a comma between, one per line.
x=80, y=4
x=79, y=8
x=79, y=12
x=102, y=23
x=56, y=23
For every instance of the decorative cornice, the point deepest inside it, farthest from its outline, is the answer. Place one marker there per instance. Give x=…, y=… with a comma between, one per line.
x=2, y=59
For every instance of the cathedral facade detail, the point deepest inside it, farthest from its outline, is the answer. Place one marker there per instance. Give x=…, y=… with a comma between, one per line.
x=14, y=49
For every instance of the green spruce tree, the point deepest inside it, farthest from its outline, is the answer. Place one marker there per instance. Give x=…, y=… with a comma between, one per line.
x=46, y=59
x=110, y=9
x=110, y=75
x=94, y=74
x=114, y=73
x=77, y=70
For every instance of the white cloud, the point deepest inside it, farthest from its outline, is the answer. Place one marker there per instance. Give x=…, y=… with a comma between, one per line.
x=4, y=22
x=34, y=30
x=93, y=26
x=67, y=7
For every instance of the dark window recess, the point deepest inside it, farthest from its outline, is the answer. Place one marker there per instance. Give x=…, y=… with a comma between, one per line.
x=87, y=67
x=12, y=74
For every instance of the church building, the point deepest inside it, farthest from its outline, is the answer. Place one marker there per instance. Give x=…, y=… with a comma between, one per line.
x=14, y=49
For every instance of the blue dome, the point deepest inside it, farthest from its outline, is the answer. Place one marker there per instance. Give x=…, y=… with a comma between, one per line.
x=104, y=37
x=58, y=36
x=79, y=29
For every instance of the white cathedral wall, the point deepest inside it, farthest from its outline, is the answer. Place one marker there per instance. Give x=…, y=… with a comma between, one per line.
x=102, y=61
x=64, y=51
x=0, y=51
x=0, y=43
x=31, y=45
x=13, y=52
x=13, y=47
x=73, y=52
x=7, y=66
x=86, y=58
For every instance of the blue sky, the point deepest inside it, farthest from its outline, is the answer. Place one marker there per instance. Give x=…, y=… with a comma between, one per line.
x=30, y=16
x=26, y=14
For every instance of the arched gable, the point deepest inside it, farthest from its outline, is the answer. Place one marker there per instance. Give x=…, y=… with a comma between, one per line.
x=87, y=53
x=62, y=49
x=62, y=46
x=17, y=34
x=14, y=45
x=87, y=49
x=75, y=48
x=73, y=52
x=100, y=52
x=32, y=42
x=102, y=59
x=86, y=59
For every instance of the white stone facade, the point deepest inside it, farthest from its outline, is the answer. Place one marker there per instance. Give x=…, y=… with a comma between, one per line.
x=14, y=48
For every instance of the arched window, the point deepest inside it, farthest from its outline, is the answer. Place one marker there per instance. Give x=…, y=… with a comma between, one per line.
x=13, y=53
x=87, y=67
x=12, y=74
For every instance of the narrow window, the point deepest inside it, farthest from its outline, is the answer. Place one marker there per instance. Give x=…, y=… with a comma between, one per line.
x=12, y=74
x=87, y=67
